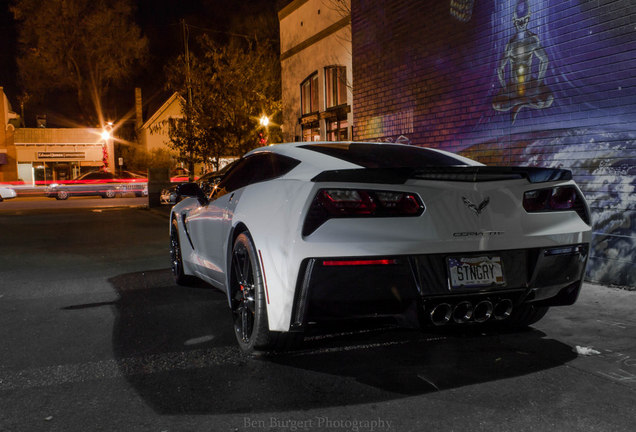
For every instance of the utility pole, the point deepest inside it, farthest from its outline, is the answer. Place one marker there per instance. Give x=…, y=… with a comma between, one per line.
x=189, y=102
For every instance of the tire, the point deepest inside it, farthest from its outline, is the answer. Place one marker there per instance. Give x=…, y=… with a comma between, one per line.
x=61, y=195
x=176, y=259
x=109, y=193
x=249, y=308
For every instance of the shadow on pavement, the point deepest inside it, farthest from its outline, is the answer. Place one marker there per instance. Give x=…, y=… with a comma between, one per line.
x=176, y=347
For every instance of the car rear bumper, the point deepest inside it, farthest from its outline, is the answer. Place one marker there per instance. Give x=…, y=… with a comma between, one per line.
x=331, y=289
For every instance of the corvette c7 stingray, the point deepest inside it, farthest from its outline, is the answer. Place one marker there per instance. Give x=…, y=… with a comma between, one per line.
x=302, y=233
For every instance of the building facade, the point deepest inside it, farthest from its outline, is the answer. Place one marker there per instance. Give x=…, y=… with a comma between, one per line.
x=41, y=155
x=154, y=133
x=315, y=41
x=45, y=155
x=9, y=119
x=512, y=82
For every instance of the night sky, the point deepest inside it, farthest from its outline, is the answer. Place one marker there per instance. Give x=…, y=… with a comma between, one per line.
x=160, y=22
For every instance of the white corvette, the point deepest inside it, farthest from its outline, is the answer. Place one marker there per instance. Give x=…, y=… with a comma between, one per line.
x=301, y=233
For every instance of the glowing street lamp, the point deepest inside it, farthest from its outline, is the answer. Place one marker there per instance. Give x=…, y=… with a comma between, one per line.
x=107, y=135
x=264, y=122
x=107, y=131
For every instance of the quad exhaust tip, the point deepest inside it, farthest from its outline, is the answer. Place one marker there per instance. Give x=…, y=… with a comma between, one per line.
x=502, y=310
x=465, y=311
x=441, y=314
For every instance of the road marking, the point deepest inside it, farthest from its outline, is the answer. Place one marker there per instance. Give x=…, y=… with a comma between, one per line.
x=613, y=323
x=423, y=378
x=198, y=340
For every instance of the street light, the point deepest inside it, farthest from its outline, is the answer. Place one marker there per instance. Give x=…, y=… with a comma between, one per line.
x=107, y=131
x=107, y=135
x=263, y=137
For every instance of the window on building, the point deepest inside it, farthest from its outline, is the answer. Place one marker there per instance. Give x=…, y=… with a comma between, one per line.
x=311, y=132
x=309, y=94
x=335, y=86
x=337, y=130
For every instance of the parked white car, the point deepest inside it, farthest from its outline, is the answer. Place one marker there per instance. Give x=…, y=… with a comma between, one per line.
x=298, y=234
x=7, y=193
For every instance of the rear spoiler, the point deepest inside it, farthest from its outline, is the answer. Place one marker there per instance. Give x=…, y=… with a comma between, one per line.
x=450, y=173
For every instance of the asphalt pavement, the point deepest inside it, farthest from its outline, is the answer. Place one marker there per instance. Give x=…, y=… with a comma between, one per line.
x=95, y=335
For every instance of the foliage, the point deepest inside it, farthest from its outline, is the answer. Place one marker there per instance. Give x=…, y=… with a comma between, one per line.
x=232, y=85
x=139, y=160
x=80, y=45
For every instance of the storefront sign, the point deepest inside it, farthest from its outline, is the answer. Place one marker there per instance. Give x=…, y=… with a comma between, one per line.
x=308, y=119
x=62, y=155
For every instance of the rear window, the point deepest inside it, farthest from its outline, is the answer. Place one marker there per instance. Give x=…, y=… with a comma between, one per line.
x=384, y=155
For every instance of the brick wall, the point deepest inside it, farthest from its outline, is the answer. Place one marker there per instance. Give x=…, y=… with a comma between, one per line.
x=558, y=89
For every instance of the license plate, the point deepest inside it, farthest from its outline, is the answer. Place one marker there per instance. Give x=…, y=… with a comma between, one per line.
x=475, y=272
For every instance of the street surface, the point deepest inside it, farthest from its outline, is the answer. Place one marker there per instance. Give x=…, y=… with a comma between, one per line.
x=95, y=336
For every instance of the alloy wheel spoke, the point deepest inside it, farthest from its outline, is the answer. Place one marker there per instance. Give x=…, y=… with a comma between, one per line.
x=246, y=331
x=251, y=304
x=236, y=268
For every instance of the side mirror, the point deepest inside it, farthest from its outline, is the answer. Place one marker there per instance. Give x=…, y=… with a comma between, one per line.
x=192, y=190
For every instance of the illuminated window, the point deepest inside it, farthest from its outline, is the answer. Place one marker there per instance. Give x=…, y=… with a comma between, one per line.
x=335, y=85
x=309, y=94
x=337, y=130
x=311, y=132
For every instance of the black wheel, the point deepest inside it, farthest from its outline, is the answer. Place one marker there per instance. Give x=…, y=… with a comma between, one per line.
x=176, y=260
x=61, y=195
x=249, y=310
x=109, y=193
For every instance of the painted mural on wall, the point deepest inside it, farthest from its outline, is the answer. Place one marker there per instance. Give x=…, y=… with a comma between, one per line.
x=562, y=93
x=521, y=87
x=512, y=82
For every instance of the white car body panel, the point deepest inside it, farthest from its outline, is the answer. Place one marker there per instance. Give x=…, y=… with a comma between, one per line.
x=274, y=211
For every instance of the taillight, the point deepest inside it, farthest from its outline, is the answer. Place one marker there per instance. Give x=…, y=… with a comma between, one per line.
x=359, y=203
x=359, y=262
x=346, y=202
x=556, y=199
